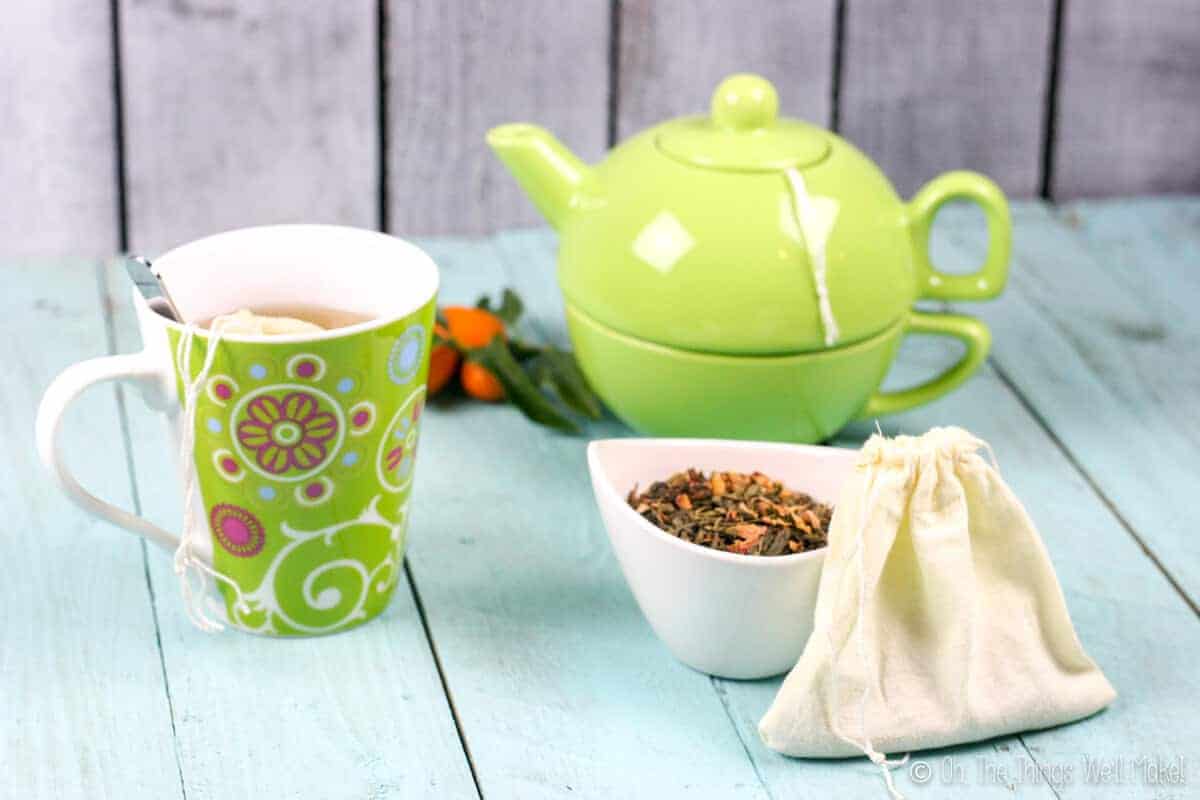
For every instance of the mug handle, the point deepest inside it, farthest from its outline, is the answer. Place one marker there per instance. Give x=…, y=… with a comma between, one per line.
x=63, y=391
x=990, y=279
x=973, y=333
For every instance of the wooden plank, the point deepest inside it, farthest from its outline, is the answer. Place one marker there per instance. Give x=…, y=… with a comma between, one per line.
x=1128, y=117
x=248, y=113
x=454, y=70
x=937, y=85
x=83, y=709
x=673, y=53
x=58, y=135
x=1099, y=317
x=360, y=714
x=529, y=260
x=559, y=686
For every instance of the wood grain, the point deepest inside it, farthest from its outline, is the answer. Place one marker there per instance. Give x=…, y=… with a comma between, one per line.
x=673, y=53
x=1095, y=332
x=248, y=113
x=561, y=688
x=83, y=707
x=934, y=85
x=454, y=70
x=58, y=171
x=1128, y=99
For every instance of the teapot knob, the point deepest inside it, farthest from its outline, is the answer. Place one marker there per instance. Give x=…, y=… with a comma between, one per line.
x=744, y=102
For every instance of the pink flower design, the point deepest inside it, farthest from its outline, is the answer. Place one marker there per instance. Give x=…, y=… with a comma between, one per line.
x=237, y=530
x=286, y=432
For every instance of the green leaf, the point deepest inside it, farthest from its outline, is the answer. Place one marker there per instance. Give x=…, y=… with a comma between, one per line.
x=519, y=388
x=510, y=309
x=557, y=368
x=522, y=350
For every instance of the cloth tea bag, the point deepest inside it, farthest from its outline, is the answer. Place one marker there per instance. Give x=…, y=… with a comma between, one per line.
x=939, y=618
x=246, y=323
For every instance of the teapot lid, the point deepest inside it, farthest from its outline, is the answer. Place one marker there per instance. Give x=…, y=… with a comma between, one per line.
x=742, y=132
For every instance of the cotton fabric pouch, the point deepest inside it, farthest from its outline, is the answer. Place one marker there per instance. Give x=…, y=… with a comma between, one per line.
x=939, y=618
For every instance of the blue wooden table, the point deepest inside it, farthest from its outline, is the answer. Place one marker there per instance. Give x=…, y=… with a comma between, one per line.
x=514, y=662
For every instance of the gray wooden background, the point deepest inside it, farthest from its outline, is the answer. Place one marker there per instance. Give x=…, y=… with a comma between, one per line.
x=139, y=124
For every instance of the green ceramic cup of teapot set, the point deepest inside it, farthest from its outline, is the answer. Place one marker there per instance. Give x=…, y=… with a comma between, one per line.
x=743, y=275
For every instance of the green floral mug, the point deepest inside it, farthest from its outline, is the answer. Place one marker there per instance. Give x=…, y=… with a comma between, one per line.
x=305, y=444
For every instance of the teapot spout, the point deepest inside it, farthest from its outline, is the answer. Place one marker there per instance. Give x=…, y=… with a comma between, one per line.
x=549, y=173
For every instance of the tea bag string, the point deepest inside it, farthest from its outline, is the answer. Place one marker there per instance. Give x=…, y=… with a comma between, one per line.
x=187, y=564
x=866, y=746
x=802, y=208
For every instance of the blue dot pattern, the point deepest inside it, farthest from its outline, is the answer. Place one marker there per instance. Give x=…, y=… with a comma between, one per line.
x=345, y=385
x=405, y=358
x=214, y=425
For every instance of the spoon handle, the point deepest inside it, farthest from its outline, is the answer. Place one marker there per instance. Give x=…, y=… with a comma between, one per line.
x=151, y=285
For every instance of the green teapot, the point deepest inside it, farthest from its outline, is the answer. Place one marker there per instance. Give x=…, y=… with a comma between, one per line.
x=742, y=275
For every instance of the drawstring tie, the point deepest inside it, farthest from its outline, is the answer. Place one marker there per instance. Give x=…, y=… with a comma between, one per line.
x=885, y=764
x=194, y=573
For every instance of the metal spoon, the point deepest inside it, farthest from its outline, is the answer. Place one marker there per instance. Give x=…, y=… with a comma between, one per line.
x=151, y=285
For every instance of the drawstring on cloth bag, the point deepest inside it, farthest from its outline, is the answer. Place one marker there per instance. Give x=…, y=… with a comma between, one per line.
x=885, y=764
x=194, y=573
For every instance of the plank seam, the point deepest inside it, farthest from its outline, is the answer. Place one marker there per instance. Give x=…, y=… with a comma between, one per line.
x=1041, y=769
x=614, y=70
x=118, y=98
x=110, y=335
x=835, y=81
x=723, y=697
x=1050, y=113
x=437, y=663
x=383, y=111
x=1093, y=485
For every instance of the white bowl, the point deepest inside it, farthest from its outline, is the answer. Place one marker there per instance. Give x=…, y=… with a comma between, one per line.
x=725, y=614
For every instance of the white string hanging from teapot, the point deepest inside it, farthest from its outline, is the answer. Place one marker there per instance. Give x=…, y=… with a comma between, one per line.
x=803, y=209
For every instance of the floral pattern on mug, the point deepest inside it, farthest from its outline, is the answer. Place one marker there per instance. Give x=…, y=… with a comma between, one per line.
x=398, y=449
x=288, y=433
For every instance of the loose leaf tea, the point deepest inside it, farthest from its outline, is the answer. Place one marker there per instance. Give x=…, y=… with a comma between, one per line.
x=732, y=511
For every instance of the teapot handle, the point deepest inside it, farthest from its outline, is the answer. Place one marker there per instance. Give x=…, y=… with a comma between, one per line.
x=989, y=280
x=973, y=333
